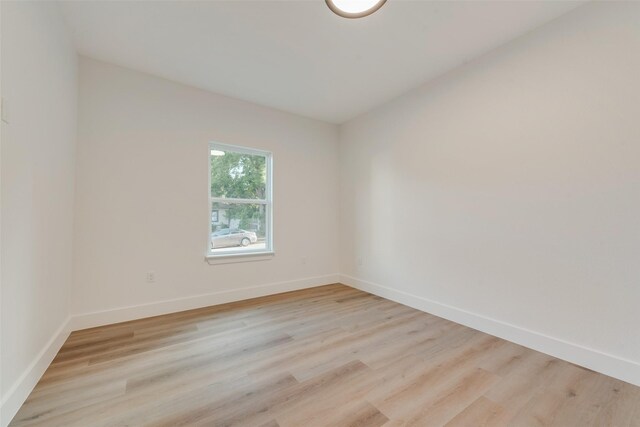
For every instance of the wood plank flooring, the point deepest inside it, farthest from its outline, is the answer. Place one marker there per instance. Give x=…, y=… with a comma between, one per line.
x=327, y=356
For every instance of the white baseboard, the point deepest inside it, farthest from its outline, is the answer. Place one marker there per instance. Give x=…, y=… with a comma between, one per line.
x=20, y=390
x=608, y=364
x=123, y=314
x=617, y=367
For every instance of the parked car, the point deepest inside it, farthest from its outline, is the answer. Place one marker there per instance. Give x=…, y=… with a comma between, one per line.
x=232, y=237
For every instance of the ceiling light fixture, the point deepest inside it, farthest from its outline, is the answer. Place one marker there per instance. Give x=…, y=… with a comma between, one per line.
x=354, y=8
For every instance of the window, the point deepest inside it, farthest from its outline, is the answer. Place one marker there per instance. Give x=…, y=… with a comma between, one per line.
x=240, y=202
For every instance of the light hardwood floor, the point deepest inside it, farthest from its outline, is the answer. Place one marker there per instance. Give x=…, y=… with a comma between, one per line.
x=327, y=356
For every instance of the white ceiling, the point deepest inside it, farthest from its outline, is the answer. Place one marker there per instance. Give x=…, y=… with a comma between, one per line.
x=298, y=56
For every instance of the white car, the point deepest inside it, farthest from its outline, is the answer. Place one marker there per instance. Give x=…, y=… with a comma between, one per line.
x=232, y=237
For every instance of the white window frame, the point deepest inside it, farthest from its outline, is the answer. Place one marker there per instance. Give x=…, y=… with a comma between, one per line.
x=247, y=254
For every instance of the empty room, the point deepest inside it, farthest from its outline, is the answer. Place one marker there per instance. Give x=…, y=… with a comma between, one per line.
x=319, y=213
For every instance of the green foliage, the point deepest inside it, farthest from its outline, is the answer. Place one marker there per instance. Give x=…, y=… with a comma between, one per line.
x=252, y=217
x=240, y=176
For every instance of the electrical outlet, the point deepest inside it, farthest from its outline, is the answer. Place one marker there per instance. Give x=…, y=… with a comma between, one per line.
x=359, y=261
x=303, y=260
x=4, y=110
x=151, y=276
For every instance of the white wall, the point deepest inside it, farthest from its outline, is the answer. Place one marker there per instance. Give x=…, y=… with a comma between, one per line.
x=142, y=195
x=506, y=194
x=39, y=87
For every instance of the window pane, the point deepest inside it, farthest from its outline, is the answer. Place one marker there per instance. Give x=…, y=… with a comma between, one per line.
x=239, y=227
x=237, y=175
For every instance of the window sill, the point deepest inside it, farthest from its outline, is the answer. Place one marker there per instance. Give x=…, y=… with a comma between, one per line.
x=241, y=257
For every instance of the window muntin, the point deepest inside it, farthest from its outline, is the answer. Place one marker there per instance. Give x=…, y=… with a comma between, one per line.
x=240, y=207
